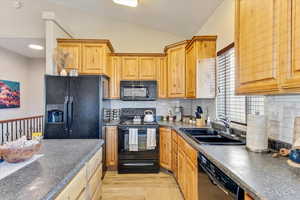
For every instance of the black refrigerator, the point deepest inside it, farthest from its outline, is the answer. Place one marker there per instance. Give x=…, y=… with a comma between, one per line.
x=74, y=106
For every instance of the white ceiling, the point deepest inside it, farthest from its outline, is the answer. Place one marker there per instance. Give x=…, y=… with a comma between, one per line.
x=180, y=17
x=20, y=46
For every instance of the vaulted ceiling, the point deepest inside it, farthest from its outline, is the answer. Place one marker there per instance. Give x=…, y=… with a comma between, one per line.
x=180, y=17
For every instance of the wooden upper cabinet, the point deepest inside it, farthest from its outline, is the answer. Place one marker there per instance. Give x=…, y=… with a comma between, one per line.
x=290, y=45
x=130, y=68
x=115, y=76
x=162, y=77
x=176, y=70
x=147, y=68
x=94, y=58
x=90, y=56
x=165, y=148
x=191, y=62
x=256, y=46
x=74, y=49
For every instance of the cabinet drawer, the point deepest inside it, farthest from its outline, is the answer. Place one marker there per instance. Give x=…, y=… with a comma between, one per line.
x=187, y=149
x=95, y=181
x=75, y=187
x=94, y=163
x=190, y=152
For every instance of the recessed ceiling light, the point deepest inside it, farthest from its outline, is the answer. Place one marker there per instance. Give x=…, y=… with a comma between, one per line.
x=131, y=3
x=35, y=47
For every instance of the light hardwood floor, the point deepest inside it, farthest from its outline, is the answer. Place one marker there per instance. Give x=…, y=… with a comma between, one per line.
x=160, y=186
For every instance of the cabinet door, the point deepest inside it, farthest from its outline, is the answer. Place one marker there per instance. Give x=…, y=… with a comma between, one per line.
x=191, y=172
x=256, y=46
x=111, y=139
x=176, y=72
x=147, y=68
x=162, y=77
x=191, y=72
x=94, y=58
x=115, y=76
x=181, y=171
x=165, y=137
x=130, y=68
x=74, y=49
x=289, y=38
x=175, y=159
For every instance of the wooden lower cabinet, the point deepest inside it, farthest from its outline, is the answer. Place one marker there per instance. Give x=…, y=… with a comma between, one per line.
x=174, y=156
x=87, y=182
x=111, y=140
x=165, y=153
x=187, y=170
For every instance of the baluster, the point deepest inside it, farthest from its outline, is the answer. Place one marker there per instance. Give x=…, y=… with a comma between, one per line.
x=2, y=134
x=24, y=133
x=7, y=132
x=20, y=128
x=12, y=131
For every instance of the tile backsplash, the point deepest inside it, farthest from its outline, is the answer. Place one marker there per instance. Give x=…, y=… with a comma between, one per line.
x=281, y=112
x=163, y=105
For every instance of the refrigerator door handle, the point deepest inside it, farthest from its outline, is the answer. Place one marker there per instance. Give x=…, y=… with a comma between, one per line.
x=70, y=113
x=66, y=121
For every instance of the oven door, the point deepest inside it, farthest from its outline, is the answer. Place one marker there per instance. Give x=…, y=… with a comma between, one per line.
x=142, y=152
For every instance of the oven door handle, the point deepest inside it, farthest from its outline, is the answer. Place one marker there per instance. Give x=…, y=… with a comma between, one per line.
x=138, y=164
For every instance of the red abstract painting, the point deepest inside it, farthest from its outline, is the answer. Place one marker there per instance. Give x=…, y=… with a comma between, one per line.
x=9, y=94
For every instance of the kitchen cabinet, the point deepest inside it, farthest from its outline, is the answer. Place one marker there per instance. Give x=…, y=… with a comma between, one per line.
x=289, y=54
x=89, y=56
x=87, y=182
x=74, y=49
x=147, y=68
x=162, y=77
x=201, y=49
x=256, y=46
x=165, y=154
x=115, y=77
x=130, y=68
x=94, y=58
x=174, y=162
x=176, y=70
x=187, y=170
x=111, y=140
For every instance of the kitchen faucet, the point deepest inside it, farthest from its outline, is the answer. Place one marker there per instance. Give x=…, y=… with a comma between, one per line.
x=226, y=123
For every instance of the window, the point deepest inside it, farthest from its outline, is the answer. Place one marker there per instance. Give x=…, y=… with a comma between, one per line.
x=229, y=105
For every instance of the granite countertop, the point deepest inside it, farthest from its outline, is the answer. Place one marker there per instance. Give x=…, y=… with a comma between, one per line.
x=262, y=176
x=46, y=177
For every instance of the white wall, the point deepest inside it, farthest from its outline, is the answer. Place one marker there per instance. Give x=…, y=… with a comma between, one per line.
x=125, y=37
x=221, y=23
x=15, y=67
x=36, y=71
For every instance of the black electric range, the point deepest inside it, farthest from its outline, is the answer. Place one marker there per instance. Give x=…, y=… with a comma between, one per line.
x=142, y=159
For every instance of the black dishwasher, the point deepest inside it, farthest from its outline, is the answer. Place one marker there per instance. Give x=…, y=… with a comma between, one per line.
x=213, y=184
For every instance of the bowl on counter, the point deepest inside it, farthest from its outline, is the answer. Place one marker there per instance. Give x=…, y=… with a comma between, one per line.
x=18, y=152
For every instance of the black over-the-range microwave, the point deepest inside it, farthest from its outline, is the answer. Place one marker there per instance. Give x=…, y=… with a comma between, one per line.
x=138, y=90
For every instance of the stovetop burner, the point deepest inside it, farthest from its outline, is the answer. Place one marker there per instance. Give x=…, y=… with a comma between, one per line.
x=129, y=115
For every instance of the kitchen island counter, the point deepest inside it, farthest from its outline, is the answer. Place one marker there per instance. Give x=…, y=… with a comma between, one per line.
x=45, y=178
x=260, y=175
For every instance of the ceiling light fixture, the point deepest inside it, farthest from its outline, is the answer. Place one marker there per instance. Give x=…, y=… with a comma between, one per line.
x=131, y=3
x=35, y=47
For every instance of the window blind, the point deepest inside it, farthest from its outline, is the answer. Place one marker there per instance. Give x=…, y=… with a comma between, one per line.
x=234, y=108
